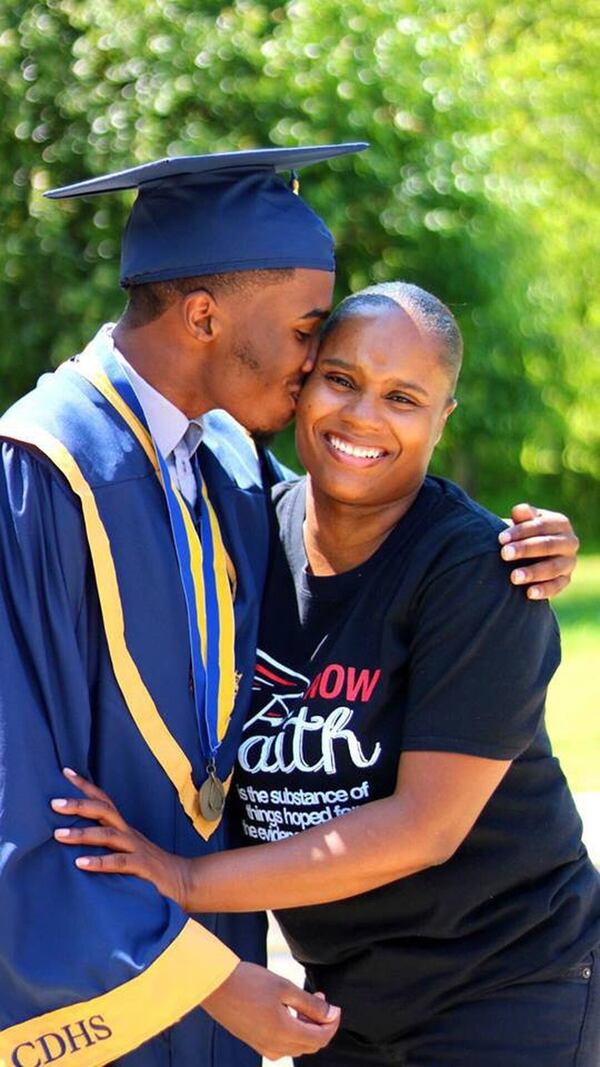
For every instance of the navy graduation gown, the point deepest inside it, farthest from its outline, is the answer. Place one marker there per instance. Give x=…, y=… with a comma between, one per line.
x=92, y=967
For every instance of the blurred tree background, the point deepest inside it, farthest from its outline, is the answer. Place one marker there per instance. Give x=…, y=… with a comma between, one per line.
x=480, y=185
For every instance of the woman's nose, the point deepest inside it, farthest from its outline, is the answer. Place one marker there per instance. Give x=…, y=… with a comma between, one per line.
x=363, y=410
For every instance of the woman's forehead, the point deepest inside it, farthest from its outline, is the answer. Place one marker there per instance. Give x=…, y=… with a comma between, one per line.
x=388, y=324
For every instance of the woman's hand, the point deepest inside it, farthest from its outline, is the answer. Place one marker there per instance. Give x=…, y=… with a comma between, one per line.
x=130, y=852
x=546, y=536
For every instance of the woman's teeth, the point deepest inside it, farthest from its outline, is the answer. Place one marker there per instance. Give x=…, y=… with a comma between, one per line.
x=354, y=450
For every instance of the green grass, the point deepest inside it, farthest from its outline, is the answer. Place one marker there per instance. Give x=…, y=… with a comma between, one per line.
x=574, y=700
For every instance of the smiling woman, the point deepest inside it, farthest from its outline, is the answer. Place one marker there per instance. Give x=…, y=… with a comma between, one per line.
x=375, y=407
x=373, y=411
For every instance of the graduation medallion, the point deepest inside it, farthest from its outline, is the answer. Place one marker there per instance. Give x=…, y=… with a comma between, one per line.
x=211, y=796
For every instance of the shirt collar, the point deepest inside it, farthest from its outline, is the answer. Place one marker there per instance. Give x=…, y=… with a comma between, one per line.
x=167, y=423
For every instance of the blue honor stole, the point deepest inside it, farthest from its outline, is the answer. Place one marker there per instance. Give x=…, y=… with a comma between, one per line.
x=204, y=579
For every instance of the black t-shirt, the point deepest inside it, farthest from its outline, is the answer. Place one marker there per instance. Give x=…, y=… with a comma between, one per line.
x=426, y=646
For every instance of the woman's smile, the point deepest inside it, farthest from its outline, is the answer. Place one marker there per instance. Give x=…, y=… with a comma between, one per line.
x=351, y=451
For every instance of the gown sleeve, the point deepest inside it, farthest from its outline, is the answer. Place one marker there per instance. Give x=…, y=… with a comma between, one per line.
x=90, y=966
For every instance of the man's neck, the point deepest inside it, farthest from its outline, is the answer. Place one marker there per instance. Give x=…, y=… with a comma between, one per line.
x=340, y=536
x=159, y=361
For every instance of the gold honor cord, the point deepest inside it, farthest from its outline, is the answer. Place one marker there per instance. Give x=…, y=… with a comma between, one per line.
x=91, y=370
x=213, y=792
x=138, y=699
x=96, y=376
x=227, y=688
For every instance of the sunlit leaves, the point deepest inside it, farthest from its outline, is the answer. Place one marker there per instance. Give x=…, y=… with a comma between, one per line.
x=480, y=183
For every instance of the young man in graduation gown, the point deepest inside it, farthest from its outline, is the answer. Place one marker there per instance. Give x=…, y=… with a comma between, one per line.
x=127, y=640
x=133, y=548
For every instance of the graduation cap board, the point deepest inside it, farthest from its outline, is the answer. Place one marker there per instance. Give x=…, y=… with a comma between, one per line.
x=214, y=214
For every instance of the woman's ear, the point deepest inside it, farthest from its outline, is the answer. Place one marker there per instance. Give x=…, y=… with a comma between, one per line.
x=450, y=407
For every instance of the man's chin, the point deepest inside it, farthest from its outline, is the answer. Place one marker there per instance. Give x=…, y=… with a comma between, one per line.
x=262, y=433
x=262, y=438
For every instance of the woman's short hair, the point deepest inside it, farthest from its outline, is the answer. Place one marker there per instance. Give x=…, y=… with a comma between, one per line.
x=430, y=313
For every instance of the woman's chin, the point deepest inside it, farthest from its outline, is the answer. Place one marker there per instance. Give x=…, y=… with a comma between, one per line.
x=344, y=489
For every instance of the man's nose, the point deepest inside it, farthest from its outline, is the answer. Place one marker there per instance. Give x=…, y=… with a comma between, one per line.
x=311, y=356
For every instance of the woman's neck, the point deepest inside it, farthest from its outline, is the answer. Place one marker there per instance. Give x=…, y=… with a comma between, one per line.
x=340, y=536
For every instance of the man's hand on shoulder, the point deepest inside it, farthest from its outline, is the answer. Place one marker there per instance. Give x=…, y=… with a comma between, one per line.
x=271, y=1014
x=547, y=537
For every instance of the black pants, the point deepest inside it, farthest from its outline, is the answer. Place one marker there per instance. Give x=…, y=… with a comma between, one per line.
x=554, y=1023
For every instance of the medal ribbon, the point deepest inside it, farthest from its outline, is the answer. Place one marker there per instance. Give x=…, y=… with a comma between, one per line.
x=202, y=563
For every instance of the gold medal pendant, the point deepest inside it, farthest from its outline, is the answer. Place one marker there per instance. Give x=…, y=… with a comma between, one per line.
x=211, y=796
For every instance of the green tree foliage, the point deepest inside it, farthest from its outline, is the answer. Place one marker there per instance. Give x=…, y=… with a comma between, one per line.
x=479, y=184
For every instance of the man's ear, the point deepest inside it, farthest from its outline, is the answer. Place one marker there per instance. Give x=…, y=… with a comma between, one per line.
x=200, y=314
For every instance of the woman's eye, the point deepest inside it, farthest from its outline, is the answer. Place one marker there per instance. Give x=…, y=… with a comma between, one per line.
x=301, y=336
x=339, y=379
x=400, y=398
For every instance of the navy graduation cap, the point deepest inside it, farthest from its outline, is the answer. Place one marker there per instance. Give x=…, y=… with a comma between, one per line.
x=214, y=214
